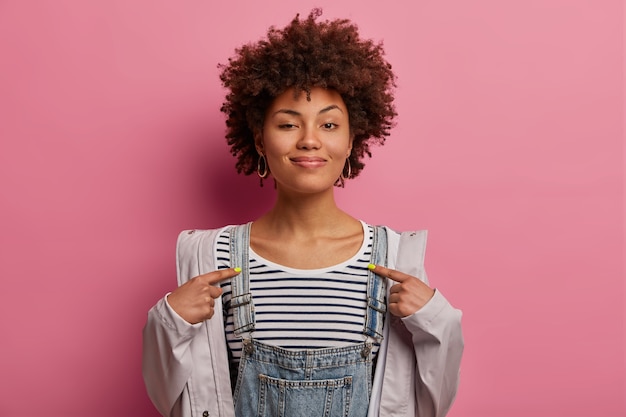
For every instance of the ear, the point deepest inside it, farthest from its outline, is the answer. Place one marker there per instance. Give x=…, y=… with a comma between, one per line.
x=350, y=145
x=258, y=141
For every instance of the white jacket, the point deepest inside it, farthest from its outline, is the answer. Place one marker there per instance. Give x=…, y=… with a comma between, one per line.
x=185, y=366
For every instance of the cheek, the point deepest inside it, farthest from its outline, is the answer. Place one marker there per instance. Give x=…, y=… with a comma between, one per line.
x=274, y=151
x=341, y=149
x=272, y=144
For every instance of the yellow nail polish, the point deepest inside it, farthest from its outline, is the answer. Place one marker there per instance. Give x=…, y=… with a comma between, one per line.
x=371, y=266
x=237, y=270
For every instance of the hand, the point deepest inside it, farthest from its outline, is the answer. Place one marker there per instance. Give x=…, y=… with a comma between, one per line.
x=194, y=301
x=408, y=295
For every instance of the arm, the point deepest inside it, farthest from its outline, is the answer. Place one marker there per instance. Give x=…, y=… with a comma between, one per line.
x=175, y=321
x=438, y=345
x=166, y=361
x=425, y=347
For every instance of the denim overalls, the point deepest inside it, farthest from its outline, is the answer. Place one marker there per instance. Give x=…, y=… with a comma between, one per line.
x=329, y=382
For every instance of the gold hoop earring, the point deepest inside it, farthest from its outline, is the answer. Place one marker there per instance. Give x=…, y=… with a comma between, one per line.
x=265, y=172
x=345, y=176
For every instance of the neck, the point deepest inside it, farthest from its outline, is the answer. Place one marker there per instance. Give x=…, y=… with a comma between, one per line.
x=305, y=215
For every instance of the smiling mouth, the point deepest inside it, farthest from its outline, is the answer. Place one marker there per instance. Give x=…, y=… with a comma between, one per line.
x=307, y=162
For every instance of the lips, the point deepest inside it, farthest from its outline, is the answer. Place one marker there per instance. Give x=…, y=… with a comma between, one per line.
x=308, y=161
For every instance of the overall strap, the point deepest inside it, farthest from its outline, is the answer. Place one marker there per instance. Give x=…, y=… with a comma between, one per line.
x=376, y=288
x=241, y=299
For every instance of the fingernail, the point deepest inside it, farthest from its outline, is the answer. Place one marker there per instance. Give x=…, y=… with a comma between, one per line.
x=371, y=266
x=237, y=270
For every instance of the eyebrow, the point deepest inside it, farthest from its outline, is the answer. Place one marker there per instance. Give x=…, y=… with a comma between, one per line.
x=295, y=113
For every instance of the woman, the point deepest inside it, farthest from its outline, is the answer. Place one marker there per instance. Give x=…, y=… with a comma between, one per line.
x=306, y=311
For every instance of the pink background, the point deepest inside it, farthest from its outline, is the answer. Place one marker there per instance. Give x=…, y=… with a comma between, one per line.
x=508, y=148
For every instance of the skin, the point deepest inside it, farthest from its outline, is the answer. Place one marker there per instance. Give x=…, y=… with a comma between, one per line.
x=194, y=301
x=306, y=144
x=408, y=295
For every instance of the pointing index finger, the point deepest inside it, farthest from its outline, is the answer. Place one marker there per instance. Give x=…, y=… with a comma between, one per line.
x=389, y=273
x=221, y=275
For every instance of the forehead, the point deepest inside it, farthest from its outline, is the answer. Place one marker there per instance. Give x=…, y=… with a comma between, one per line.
x=319, y=98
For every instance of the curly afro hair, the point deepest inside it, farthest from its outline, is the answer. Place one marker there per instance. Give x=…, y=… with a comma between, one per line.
x=303, y=55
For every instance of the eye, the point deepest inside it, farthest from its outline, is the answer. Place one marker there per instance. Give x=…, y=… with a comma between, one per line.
x=329, y=126
x=286, y=126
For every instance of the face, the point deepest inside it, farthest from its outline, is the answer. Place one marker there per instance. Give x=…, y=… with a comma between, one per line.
x=306, y=143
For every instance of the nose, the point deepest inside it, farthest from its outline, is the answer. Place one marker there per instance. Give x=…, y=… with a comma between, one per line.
x=309, y=139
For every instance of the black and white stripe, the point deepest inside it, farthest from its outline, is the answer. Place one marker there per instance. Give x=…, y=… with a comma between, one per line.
x=302, y=309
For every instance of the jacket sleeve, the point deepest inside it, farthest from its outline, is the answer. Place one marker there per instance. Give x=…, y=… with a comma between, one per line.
x=438, y=344
x=166, y=360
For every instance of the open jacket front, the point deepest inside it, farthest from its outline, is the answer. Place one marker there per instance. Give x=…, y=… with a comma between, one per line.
x=186, y=370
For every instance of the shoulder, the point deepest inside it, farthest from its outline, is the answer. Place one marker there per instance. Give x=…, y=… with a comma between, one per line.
x=195, y=250
x=410, y=240
x=190, y=238
x=406, y=250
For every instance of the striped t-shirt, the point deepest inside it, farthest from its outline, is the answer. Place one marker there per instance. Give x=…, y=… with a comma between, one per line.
x=302, y=308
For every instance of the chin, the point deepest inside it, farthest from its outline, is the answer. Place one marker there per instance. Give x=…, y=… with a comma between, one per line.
x=306, y=187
